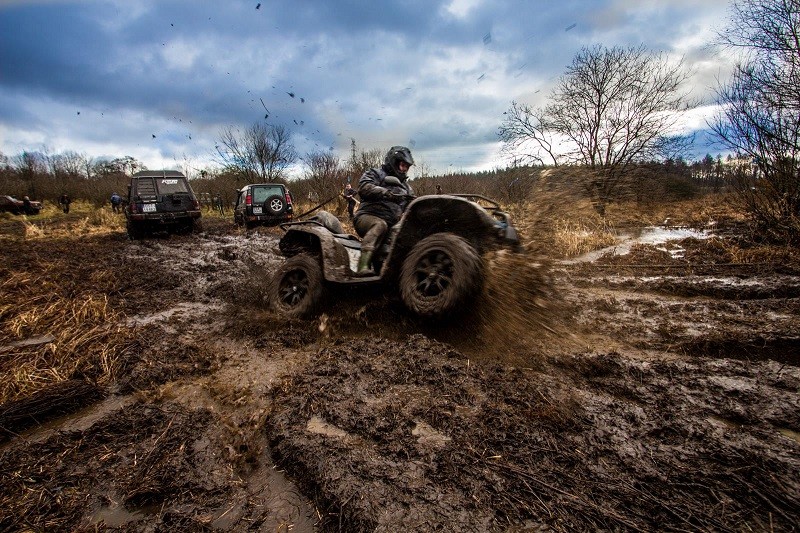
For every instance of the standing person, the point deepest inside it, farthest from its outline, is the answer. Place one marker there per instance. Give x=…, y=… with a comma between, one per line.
x=218, y=205
x=26, y=205
x=438, y=189
x=116, y=202
x=350, y=195
x=64, y=202
x=382, y=204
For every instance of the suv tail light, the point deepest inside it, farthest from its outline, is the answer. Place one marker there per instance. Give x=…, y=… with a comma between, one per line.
x=195, y=204
x=288, y=198
x=133, y=207
x=248, y=200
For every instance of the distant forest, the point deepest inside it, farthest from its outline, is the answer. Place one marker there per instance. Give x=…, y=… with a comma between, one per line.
x=46, y=177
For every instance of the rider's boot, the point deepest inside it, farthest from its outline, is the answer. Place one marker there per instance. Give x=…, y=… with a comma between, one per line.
x=364, y=262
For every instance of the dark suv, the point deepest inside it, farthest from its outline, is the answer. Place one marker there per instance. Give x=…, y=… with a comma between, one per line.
x=161, y=200
x=262, y=203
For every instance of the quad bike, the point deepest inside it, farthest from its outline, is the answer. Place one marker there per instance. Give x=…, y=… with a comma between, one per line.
x=432, y=255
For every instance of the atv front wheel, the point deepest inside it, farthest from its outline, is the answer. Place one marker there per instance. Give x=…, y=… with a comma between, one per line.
x=296, y=289
x=439, y=275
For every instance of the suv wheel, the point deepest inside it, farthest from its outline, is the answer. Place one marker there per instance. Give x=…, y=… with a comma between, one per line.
x=275, y=205
x=439, y=275
x=134, y=232
x=297, y=288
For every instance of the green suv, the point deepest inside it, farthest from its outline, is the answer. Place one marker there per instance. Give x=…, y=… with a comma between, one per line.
x=265, y=204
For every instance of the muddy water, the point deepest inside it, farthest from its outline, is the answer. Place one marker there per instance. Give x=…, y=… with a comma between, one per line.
x=237, y=394
x=652, y=235
x=77, y=421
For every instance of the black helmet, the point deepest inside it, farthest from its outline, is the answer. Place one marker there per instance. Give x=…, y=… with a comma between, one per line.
x=393, y=158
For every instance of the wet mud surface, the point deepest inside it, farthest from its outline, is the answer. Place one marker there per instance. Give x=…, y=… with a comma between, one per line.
x=645, y=391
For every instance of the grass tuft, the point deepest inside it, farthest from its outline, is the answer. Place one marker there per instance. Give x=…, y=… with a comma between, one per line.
x=573, y=238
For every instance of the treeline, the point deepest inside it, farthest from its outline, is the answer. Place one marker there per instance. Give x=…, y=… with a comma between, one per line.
x=46, y=177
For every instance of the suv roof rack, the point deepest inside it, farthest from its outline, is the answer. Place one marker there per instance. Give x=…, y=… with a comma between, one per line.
x=159, y=174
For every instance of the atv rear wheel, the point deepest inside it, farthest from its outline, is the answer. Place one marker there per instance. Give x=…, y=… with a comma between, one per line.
x=297, y=288
x=439, y=275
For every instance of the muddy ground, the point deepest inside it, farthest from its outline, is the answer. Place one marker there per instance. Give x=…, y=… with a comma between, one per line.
x=647, y=391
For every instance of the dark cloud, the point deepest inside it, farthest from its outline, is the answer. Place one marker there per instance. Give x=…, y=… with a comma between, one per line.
x=330, y=71
x=51, y=50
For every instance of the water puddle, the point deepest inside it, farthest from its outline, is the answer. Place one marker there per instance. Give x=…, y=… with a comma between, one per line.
x=651, y=235
x=80, y=420
x=321, y=427
x=180, y=310
x=427, y=435
x=117, y=515
x=723, y=422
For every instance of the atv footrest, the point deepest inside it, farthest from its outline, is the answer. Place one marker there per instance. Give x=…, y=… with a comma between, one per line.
x=362, y=279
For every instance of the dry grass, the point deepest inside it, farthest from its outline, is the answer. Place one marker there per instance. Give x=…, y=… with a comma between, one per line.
x=697, y=212
x=748, y=253
x=558, y=226
x=572, y=238
x=83, y=219
x=560, y=222
x=82, y=336
x=56, y=322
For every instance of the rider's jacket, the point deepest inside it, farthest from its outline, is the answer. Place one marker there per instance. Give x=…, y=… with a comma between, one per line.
x=372, y=190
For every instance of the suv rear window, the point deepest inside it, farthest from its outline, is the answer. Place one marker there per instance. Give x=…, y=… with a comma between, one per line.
x=260, y=194
x=171, y=185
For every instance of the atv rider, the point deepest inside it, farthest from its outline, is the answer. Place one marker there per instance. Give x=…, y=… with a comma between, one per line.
x=382, y=204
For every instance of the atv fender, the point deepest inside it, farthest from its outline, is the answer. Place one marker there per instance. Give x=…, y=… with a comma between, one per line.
x=428, y=215
x=337, y=251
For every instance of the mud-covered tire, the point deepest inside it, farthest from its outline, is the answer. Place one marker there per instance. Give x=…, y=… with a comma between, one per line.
x=296, y=288
x=196, y=226
x=440, y=274
x=134, y=232
x=275, y=205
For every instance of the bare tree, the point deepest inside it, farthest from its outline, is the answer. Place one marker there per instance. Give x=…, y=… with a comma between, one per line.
x=363, y=160
x=261, y=153
x=527, y=135
x=71, y=164
x=324, y=174
x=610, y=109
x=125, y=166
x=31, y=166
x=760, y=117
x=66, y=173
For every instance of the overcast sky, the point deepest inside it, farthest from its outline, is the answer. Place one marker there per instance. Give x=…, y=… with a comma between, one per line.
x=159, y=79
